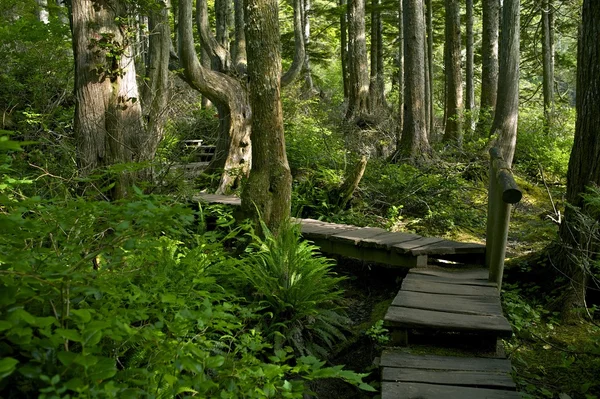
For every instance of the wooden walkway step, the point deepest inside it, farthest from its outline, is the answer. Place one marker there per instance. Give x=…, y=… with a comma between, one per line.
x=458, y=301
x=406, y=376
x=373, y=244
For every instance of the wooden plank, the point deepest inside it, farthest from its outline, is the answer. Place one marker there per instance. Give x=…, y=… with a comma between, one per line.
x=474, y=274
x=411, y=283
x=325, y=230
x=413, y=390
x=219, y=199
x=445, y=247
x=448, y=280
x=450, y=377
x=406, y=247
x=433, y=320
x=388, y=239
x=356, y=236
x=483, y=305
x=398, y=358
x=376, y=255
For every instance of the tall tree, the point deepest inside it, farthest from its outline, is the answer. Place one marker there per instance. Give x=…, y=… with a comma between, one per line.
x=308, y=80
x=109, y=122
x=344, y=47
x=299, y=50
x=239, y=44
x=470, y=87
x=358, y=72
x=454, y=91
x=548, y=59
x=413, y=143
x=506, y=116
x=429, y=27
x=489, y=64
x=267, y=193
x=376, y=84
x=221, y=89
x=400, y=73
x=583, y=168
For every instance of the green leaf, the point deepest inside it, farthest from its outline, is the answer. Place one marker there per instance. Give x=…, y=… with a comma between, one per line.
x=86, y=360
x=22, y=314
x=83, y=315
x=66, y=358
x=366, y=387
x=5, y=325
x=105, y=368
x=72, y=335
x=215, y=362
x=7, y=366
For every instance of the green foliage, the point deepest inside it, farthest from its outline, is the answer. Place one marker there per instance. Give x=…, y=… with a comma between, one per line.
x=298, y=288
x=378, y=333
x=550, y=150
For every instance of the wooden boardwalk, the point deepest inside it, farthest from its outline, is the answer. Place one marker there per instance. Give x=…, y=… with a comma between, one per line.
x=432, y=301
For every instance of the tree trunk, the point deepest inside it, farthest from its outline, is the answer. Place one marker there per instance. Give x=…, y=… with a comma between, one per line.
x=548, y=60
x=428, y=82
x=376, y=83
x=309, y=86
x=108, y=118
x=507, y=108
x=219, y=54
x=489, y=65
x=400, y=75
x=357, y=61
x=429, y=27
x=454, y=101
x=267, y=193
x=42, y=11
x=352, y=179
x=299, y=50
x=220, y=89
x=344, y=47
x=222, y=22
x=155, y=92
x=239, y=45
x=583, y=165
x=414, y=143
x=470, y=87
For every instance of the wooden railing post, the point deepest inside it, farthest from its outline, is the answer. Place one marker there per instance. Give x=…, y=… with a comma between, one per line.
x=503, y=192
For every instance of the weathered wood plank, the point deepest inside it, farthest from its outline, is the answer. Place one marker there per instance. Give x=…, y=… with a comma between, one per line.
x=483, y=305
x=450, y=377
x=356, y=236
x=376, y=255
x=398, y=316
x=449, y=280
x=412, y=390
x=325, y=230
x=398, y=358
x=445, y=247
x=473, y=274
x=388, y=239
x=411, y=283
x=408, y=246
x=219, y=199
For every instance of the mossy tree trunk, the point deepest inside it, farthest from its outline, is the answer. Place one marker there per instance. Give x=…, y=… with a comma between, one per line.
x=267, y=193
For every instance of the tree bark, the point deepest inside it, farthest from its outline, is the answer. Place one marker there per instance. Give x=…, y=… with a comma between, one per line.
x=42, y=11
x=400, y=74
x=308, y=80
x=108, y=116
x=428, y=82
x=299, y=50
x=583, y=168
x=344, y=47
x=357, y=61
x=267, y=193
x=470, y=86
x=489, y=64
x=376, y=83
x=220, y=89
x=548, y=60
x=155, y=92
x=239, y=45
x=221, y=59
x=414, y=143
x=454, y=94
x=506, y=116
x=429, y=27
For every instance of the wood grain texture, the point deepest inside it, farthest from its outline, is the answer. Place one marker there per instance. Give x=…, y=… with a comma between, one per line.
x=417, y=284
x=412, y=390
x=399, y=358
x=397, y=316
x=477, y=305
x=472, y=273
x=452, y=280
x=450, y=377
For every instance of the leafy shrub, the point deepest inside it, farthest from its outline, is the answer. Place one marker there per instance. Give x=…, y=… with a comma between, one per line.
x=299, y=289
